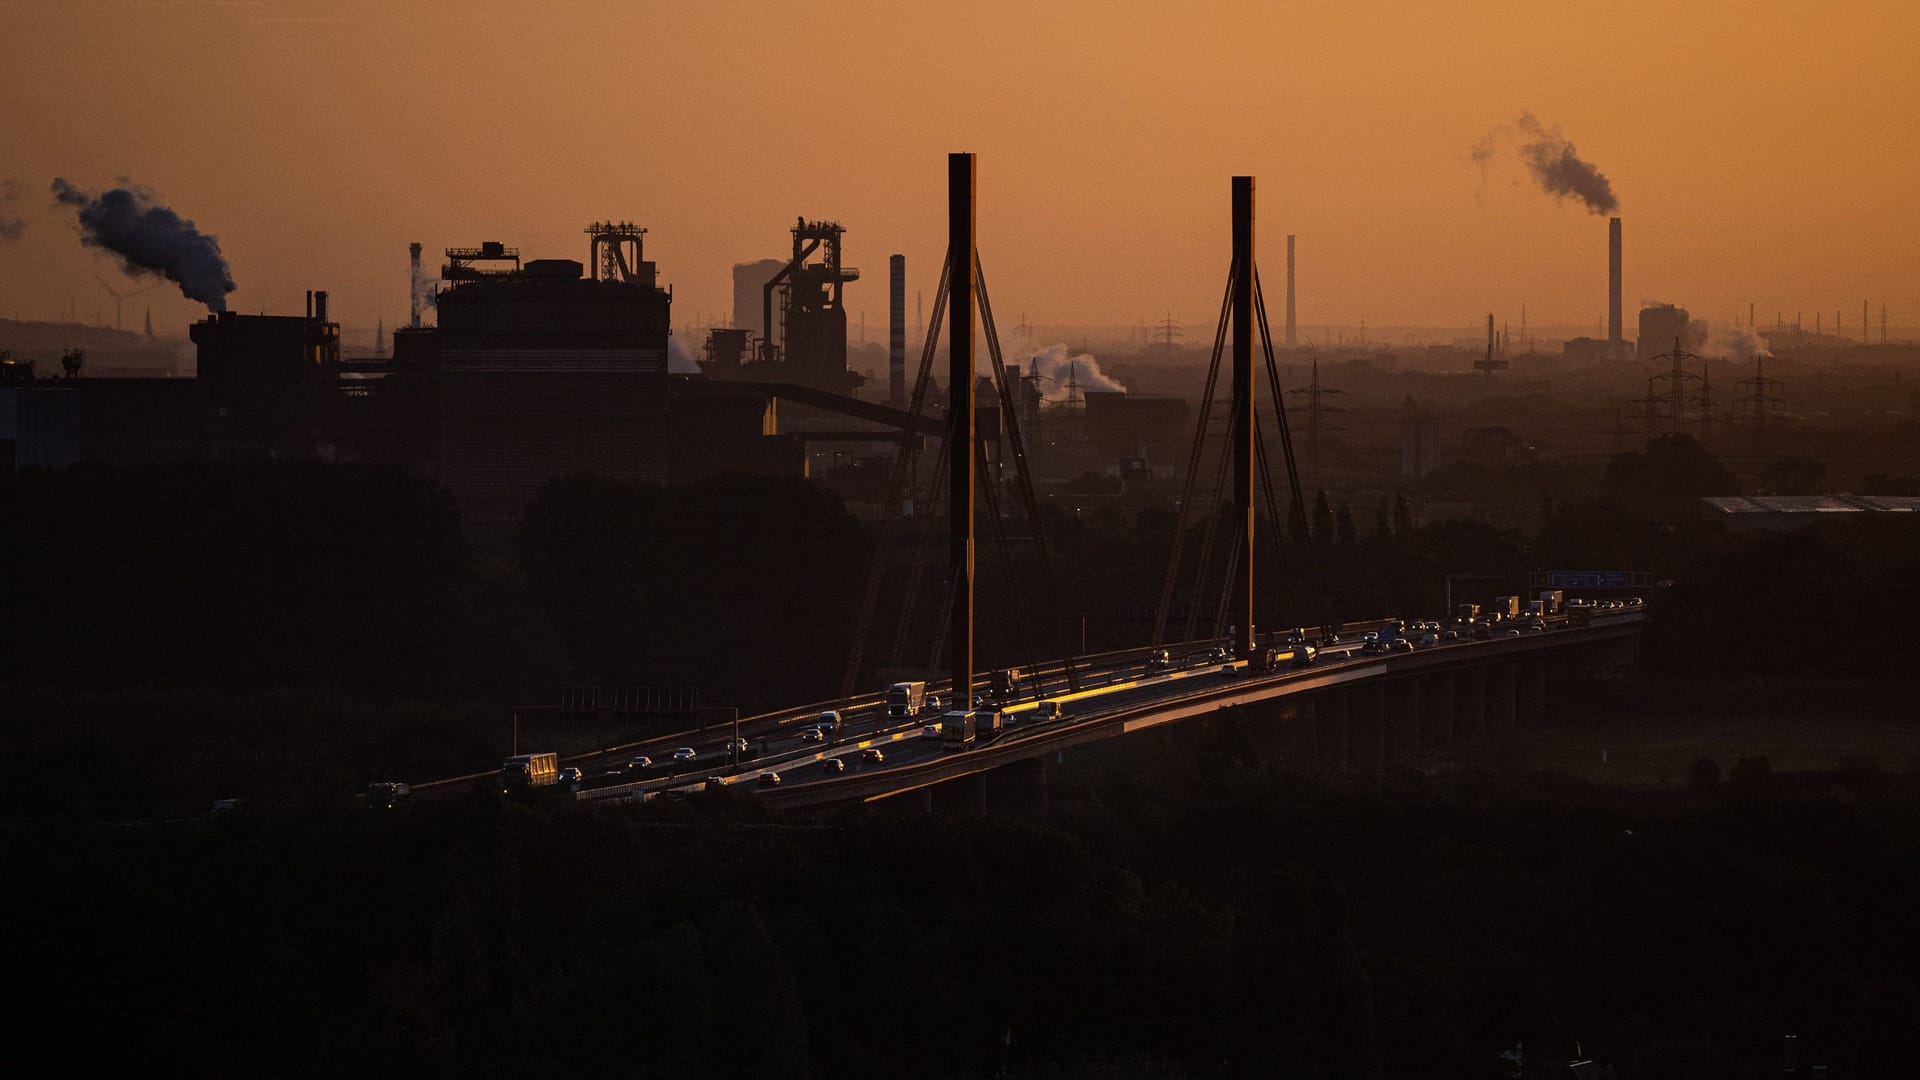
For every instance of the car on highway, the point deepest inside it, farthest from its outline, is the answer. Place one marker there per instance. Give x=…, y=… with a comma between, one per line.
x=738, y=746
x=1399, y=645
x=933, y=702
x=1218, y=655
x=572, y=775
x=979, y=701
x=1429, y=639
x=685, y=753
x=1159, y=660
x=872, y=756
x=391, y=795
x=769, y=779
x=1047, y=710
x=641, y=762
x=813, y=734
x=833, y=766
x=931, y=731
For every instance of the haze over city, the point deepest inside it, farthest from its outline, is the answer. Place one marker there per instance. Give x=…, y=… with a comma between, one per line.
x=529, y=547
x=1758, y=151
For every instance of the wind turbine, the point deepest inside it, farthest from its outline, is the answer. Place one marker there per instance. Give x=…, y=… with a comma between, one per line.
x=119, y=297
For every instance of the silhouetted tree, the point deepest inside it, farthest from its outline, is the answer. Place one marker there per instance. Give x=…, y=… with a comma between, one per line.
x=1794, y=476
x=1344, y=533
x=1667, y=481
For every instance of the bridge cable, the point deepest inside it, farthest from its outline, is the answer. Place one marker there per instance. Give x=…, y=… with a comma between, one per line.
x=896, y=491
x=1010, y=423
x=1316, y=584
x=1193, y=471
x=916, y=569
x=1207, y=544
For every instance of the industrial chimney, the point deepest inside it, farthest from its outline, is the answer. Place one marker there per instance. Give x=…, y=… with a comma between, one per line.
x=897, y=331
x=1613, y=286
x=1290, y=324
x=413, y=287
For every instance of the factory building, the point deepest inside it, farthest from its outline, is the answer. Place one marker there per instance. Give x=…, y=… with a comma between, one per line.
x=1153, y=429
x=749, y=285
x=267, y=380
x=1663, y=324
x=544, y=370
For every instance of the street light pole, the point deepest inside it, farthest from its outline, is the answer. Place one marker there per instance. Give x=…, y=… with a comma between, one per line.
x=733, y=747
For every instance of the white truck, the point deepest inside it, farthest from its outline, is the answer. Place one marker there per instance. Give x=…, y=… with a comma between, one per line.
x=905, y=700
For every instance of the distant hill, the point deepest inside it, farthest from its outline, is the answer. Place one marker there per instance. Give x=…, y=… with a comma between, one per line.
x=109, y=351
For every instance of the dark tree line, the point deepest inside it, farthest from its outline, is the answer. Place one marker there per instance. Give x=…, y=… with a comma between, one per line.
x=1223, y=918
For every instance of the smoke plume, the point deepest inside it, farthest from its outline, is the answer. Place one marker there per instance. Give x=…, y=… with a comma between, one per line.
x=1056, y=367
x=150, y=239
x=1735, y=343
x=679, y=360
x=1556, y=166
x=1553, y=162
x=11, y=226
x=426, y=292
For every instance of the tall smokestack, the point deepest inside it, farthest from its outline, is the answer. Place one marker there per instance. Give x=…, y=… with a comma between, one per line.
x=1613, y=284
x=1290, y=322
x=897, y=331
x=413, y=287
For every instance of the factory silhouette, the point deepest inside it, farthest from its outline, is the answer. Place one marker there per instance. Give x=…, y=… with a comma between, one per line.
x=540, y=367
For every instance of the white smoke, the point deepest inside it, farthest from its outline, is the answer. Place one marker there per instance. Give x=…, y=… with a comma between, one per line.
x=1061, y=372
x=426, y=293
x=1735, y=343
x=679, y=361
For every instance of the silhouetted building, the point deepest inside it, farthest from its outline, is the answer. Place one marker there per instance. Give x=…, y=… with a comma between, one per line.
x=807, y=317
x=544, y=372
x=1156, y=429
x=268, y=380
x=1662, y=324
x=56, y=423
x=749, y=285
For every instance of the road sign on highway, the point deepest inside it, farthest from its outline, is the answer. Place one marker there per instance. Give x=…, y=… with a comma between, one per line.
x=1593, y=579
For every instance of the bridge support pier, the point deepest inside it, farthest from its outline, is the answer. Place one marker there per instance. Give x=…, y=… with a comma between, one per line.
x=1405, y=717
x=962, y=796
x=1019, y=788
x=1533, y=693
x=1470, y=703
x=1502, y=697
x=1440, y=711
x=1330, y=729
x=1367, y=726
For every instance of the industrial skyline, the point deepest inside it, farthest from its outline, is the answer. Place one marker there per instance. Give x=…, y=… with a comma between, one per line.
x=416, y=125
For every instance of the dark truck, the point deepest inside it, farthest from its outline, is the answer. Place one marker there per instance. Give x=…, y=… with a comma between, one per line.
x=525, y=771
x=1008, y=682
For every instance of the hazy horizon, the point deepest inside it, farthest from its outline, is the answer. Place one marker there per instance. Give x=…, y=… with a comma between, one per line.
x=1756, y=151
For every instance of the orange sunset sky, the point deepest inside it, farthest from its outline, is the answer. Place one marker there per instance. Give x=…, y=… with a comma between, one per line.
x=1762, y=151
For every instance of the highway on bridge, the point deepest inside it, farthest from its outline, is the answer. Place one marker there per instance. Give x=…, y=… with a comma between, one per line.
x=1118, y=693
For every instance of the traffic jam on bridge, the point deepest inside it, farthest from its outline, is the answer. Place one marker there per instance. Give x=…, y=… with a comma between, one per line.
x=915, y=724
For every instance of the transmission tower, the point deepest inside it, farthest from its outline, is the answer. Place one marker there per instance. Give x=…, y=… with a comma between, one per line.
x=1676, y=389
x=1169, y=332
x=1315, y=408
x=1760, y=393
x=1490, y=364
